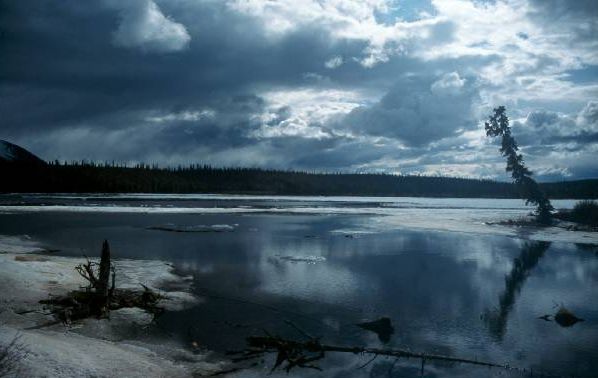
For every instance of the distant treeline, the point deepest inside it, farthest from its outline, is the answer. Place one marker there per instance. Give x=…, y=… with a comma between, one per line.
x=83, y=177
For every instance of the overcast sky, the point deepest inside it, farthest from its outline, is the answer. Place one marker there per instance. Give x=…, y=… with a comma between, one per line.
x=400, y=86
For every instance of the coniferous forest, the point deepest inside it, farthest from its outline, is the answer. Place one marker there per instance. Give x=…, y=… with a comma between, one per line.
x=84, y=177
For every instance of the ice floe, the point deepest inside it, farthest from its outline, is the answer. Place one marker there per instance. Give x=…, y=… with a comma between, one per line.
x=302, y=259
x=195, y=228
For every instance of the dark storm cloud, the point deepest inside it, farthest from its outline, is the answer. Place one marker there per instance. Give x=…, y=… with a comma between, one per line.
x=565, y=8
x=581, y=138
x=70, y=71
x=73, y=70
x=156, y=135
x=61, y=57
x=343, y=153
x=199, y=81
x=539, y=119
x=580, y=17
x=544, y=132
x=419, y=109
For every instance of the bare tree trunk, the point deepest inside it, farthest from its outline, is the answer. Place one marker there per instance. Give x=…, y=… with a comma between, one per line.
x=104, y=279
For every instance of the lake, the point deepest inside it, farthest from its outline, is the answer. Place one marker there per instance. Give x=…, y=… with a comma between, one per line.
x=450, y=283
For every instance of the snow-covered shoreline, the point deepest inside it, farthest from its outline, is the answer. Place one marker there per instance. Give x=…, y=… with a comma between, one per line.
x=91, y=347
x=442, y=215
x=483, y=222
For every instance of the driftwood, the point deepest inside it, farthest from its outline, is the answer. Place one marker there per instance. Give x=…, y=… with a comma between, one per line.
x=303, y=354
x=105, y=268
x=84, y=304
x=101, y=296
x=294, y=352
x=99, y=284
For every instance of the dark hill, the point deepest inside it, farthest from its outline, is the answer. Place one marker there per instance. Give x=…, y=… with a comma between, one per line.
x=11, y=153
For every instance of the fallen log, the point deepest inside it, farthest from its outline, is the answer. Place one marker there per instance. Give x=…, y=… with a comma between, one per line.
x=274, y=343
x=302, y=354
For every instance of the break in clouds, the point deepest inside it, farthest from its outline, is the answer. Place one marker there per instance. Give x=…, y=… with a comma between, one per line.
x=392, y=86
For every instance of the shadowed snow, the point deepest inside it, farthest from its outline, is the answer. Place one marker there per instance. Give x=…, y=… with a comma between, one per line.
x=78, y=351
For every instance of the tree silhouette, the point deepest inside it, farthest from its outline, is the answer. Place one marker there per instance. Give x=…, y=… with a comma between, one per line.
x=112, y=177
x=498, y=125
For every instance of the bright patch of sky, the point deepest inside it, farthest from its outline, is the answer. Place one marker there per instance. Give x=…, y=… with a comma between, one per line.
x=405, y=10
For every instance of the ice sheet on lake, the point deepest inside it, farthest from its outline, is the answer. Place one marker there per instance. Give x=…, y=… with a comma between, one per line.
x=195, y=228
x=401, y=202
x=380, y=214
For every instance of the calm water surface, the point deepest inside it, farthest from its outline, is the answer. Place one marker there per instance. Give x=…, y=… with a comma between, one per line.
x=467, y=295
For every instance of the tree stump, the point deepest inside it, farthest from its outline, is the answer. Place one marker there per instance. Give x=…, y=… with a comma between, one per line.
x=104, y=278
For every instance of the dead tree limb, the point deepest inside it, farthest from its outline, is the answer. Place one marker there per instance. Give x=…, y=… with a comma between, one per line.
x=105, y=268
x=98, y=275
x=87, y=272
x=270, y=343
x=101, y=295
x=302, y=354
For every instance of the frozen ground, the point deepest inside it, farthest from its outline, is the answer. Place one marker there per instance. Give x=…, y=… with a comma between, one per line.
x=98, y=348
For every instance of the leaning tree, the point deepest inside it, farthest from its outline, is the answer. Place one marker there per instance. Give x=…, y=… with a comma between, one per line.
x=498, y=125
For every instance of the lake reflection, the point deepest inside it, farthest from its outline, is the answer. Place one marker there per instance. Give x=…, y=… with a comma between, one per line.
x=466, y=295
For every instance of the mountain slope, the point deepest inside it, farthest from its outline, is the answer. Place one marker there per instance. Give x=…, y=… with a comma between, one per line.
x=12, y=153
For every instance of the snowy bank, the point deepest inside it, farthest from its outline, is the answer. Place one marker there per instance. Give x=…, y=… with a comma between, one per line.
x=488, y=222
x=91, y=347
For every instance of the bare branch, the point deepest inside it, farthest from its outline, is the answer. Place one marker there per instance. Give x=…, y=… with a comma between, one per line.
x=301, y=354
x=87, y=272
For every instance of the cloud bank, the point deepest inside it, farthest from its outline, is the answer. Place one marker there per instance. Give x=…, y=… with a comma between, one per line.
x=331, y=85
x=144, y=26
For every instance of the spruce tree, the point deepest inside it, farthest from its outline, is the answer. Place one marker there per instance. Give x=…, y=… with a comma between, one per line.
x=498, y=125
